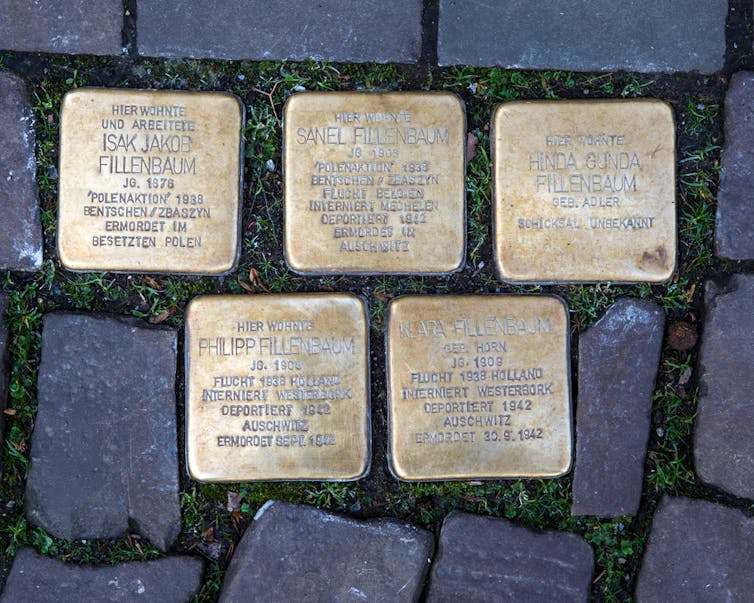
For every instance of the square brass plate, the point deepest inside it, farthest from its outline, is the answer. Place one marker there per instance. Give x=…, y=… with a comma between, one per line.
x=374, y=182
x=277, y=387
x=584, y=191
x=478, y=387
x=149, y=181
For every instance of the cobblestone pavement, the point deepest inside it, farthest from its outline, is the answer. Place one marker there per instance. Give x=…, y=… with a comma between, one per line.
x=96, y=501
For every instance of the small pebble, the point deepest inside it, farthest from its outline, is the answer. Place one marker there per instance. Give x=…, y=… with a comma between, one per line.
x=682, y=336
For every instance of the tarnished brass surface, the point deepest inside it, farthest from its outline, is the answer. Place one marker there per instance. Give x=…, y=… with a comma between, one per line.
x=584, y=191
x=374, y=182
x=149, y=181
x=478, y=387
x=277, y=387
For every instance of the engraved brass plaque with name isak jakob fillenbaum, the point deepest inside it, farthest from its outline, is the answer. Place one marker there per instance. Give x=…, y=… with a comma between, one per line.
x=277, y=388
x=150, y=181
x=374, y=182
x=584, y=191
x=478, y=387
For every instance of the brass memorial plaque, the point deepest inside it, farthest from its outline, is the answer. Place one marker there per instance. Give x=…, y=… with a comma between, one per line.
x=149, y=181
x=584, y=191
x=478, y=387
x=277, y=387
x=374, y=182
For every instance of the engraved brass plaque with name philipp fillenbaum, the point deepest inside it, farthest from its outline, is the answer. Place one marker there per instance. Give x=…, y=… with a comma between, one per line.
x=374, y=182
x=478, y=387
x=150, y=181
x=584, y=191
x=277, y=388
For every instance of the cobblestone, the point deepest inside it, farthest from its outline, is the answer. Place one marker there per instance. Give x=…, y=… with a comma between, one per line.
x=103, y=451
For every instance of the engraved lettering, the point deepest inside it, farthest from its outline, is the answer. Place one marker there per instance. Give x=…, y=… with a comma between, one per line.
x=589, y=181
x=284, y=373
x=365, y=169
x=147, y=163
x=482, y=378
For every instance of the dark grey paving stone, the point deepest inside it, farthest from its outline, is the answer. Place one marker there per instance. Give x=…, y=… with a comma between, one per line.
x=41, y=579
x=582, y=35
x=62, y=26
x=370, y=30
x=299, y=553
x=486, y=559
x=20, y=227
x=618, y=361
x=697, y=551
x=4, y=367
x=104, y=451
x=723, y=442
x=734, y=231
